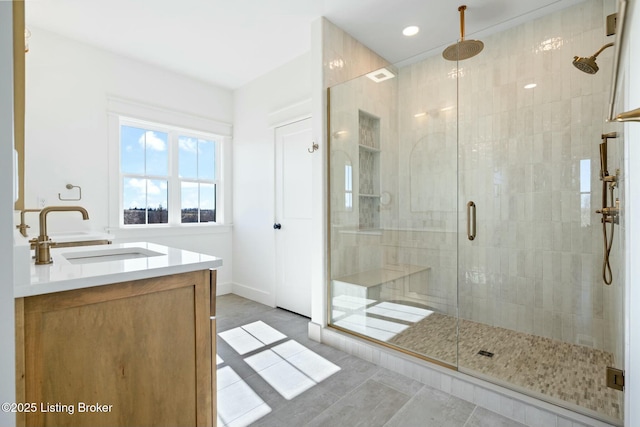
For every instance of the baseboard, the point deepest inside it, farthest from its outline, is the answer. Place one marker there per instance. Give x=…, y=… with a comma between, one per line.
x=253, y=294
x=224, y=288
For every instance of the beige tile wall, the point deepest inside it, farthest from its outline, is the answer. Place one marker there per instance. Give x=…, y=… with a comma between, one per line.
x=536, y=265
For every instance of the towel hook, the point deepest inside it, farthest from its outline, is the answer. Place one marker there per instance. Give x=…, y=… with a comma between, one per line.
x=70, y=187
x=313, y=148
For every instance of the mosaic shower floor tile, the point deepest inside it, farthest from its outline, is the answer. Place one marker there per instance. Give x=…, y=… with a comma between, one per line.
x=573, y=373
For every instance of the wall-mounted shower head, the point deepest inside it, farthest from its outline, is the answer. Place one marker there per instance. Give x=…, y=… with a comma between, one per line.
x=588, y=65
x=464, y=49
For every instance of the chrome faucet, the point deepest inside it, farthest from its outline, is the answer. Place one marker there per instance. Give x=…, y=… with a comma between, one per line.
x=23, y=225
x=43, y=243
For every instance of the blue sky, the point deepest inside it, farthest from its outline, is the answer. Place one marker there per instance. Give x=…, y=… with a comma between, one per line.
x=145, y=152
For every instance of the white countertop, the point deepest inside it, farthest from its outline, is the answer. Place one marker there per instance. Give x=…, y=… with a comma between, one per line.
x=62, y=275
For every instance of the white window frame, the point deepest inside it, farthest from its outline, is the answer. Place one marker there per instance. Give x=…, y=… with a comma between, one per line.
x=217, y=139
x=173, y=178
x=129, y=113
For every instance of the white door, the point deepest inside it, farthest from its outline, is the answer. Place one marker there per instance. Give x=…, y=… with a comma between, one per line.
x=293, y=217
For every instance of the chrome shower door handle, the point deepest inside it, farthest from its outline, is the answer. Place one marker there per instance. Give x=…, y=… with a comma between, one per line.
x=471, y=220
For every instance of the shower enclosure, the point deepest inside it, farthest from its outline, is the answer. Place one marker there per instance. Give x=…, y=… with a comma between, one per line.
x=463, y=224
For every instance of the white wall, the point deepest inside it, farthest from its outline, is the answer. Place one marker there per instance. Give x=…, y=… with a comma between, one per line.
x=7, y=328
x=276, y=98
x=319, y=242
x=68, y=84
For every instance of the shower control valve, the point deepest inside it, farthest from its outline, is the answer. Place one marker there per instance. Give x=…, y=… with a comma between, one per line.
x=610, y=214
x=608, y=211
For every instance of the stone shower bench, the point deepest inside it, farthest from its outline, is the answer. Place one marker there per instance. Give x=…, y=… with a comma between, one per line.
x=370, y=284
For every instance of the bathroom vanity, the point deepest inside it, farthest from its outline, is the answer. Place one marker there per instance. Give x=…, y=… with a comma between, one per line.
x=116, y=336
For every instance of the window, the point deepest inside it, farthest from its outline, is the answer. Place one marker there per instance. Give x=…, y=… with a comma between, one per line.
x=144, y=164
x=348, y=186
x=585, y=192
x=168, y=175
x=197, y=171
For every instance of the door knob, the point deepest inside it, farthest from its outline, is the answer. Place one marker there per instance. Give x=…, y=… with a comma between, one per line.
x=277, y=226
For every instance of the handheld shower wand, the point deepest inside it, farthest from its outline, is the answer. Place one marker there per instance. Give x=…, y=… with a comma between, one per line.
x=603, y=161
x=609, y=214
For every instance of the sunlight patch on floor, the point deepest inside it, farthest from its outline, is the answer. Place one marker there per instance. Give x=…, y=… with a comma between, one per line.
x=250, y=337
x=379, y=329
x=291, y=368
x=288, y=367
x=238, y=404
x=399, y=311
x=351, y=302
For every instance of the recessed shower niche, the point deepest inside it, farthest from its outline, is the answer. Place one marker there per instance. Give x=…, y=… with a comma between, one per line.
x=369, y=170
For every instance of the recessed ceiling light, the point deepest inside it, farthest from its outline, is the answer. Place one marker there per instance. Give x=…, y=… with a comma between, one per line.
x=411, y=30
x=420, y=114
x=530, y=86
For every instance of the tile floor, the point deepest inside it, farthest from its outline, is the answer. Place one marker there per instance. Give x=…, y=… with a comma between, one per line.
x=567, y=372
x=271, y=374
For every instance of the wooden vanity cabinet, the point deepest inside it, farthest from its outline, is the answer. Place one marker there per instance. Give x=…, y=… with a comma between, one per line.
x=142, y=350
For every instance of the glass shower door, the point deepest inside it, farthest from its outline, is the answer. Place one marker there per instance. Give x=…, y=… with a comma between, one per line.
x=535, y=315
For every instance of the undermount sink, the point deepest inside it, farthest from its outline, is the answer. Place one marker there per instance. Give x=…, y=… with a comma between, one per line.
x=108, y=254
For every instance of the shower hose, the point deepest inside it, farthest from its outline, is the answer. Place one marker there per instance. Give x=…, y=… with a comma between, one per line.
x=608, y=243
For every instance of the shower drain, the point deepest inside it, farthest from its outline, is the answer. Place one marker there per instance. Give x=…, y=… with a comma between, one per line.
x=485, y=353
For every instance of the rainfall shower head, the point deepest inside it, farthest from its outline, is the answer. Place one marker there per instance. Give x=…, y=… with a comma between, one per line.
x=464, y=49
x=588, y=65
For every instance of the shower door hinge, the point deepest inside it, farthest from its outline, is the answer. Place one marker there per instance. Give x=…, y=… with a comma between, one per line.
x=615, y=378
x=612, y=23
